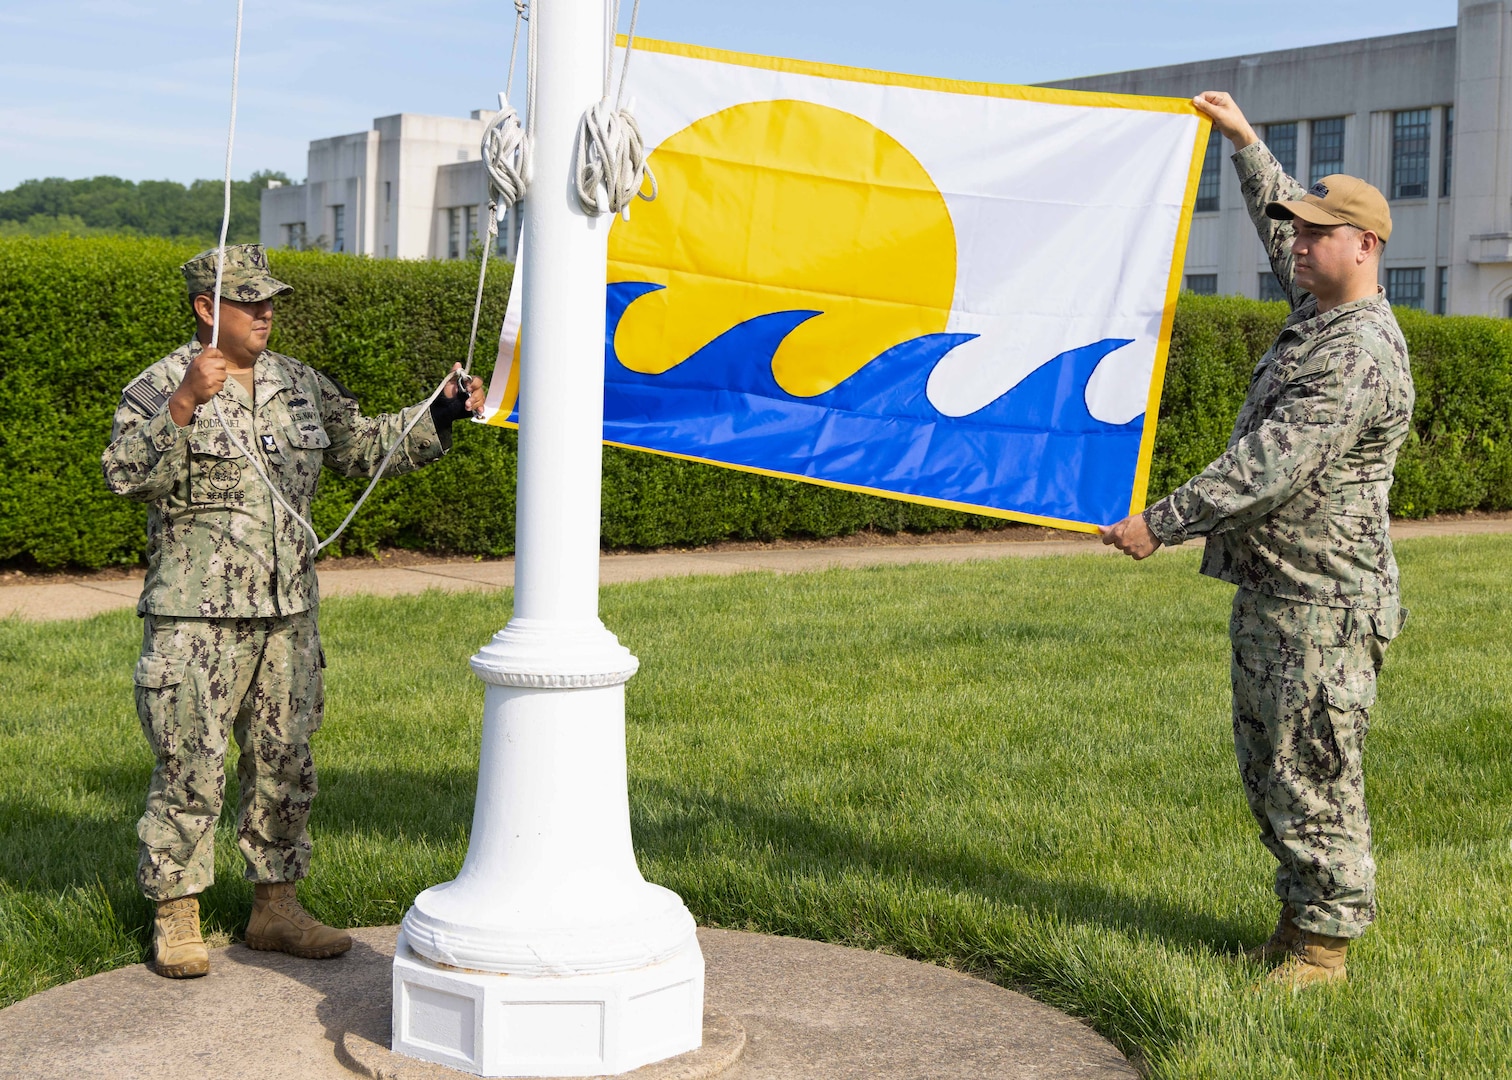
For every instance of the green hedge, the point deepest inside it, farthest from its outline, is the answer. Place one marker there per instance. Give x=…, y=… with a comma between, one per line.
x=1459, y=455
x=80, y=316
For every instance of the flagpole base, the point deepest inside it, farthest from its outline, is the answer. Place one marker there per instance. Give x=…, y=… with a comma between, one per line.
x=576, y=1025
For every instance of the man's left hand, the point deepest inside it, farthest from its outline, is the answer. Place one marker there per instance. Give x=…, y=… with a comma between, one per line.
x=477, y=392
x=1132, y=536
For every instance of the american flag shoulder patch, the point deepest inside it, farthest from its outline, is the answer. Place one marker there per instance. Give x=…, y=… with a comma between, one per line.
x=144, y=397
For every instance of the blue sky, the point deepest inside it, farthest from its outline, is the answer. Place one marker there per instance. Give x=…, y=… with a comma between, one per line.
x=140, y=90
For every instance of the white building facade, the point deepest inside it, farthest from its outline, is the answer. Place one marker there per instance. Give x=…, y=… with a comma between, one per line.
x=412, y=187
x=1426, y=117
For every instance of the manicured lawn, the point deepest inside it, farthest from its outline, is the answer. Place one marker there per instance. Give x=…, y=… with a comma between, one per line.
x=1021, y=768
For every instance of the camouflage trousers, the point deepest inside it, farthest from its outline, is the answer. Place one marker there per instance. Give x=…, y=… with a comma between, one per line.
x=198, y=681
x=1304, y=678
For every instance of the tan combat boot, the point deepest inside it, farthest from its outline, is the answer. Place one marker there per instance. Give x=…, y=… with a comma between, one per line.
x=278, y=923
x=1282, y=942
x=178, y=950
x=1317, y=958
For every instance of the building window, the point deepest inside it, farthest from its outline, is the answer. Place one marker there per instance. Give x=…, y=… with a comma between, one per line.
x=1212, y=165
x=1509, y=307
x=453, y=234
x=294, y=235
x=1404, y=287
x=338, y=228
x=1409, y=154
x=1202, y=284
x=470, y=225
x=388, y=196
x=1270, y=288
x=1441, y=300
x=1446, y=167
x=1327, y=148
x=509, y=233
x=1282, y=140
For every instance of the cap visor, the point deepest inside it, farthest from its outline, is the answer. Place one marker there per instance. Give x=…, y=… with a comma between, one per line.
x=269, y=287
x=1306, y=211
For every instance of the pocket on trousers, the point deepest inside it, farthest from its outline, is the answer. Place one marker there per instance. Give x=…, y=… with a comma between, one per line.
x=158, y=678
x=158, y=672
x=1355, y=694
x=1337, y=727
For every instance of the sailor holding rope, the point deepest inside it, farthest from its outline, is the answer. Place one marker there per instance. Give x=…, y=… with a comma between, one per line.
x=230, y=644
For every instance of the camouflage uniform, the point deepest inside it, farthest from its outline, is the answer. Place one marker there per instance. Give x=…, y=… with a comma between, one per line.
x=1295, y=514
x=230, y=642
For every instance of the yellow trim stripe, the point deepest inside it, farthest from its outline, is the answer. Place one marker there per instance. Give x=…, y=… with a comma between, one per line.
x=1140, y=495
x=917, y=82
x=922, y=500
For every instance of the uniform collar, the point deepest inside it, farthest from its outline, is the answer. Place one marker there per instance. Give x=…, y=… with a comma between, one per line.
x=1306, y=319
x=270, y=376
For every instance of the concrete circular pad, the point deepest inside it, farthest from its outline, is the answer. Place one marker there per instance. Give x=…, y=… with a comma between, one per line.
x=808, y=1010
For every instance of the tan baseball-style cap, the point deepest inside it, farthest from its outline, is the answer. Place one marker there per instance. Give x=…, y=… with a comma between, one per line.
x=1339, y=200
x=245, y=278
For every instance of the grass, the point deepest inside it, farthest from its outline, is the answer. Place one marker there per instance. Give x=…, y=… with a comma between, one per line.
x=1019, y=768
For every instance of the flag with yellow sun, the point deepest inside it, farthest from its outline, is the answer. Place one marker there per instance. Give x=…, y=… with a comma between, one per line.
x=951, y=293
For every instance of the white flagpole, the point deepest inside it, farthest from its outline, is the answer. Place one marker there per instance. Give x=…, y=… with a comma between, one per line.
x=550, y=955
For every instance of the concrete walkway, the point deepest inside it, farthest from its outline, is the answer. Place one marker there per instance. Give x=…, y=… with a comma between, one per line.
x=85, y=596
x=808, y=1011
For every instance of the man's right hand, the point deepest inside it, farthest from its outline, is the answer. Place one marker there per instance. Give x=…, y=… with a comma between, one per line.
x=1226, y=117
x=202, y=380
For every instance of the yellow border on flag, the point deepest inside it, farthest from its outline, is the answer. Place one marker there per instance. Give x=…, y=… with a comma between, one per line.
x=1139, y=500
x=1049, y=95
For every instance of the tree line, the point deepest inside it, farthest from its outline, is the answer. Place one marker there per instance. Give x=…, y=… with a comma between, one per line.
x=110, y=205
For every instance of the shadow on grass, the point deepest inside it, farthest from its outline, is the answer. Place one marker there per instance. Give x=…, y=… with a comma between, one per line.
x=51, y=849
x=792, y=841
x=669, y=824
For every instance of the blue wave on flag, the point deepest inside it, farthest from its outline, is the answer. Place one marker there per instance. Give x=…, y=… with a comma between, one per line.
x=1035, y=450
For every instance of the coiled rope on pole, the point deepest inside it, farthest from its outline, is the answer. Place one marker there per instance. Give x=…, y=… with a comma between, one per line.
x=506, y=151
x=611, y=155
x=220, y=267
x=506, y=144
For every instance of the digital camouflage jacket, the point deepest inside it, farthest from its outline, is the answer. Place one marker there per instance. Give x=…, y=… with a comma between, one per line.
x=1296, y=506
x=218, y=546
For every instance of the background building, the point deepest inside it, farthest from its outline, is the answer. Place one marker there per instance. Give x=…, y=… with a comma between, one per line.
x=412, y=187
x=1426, y=117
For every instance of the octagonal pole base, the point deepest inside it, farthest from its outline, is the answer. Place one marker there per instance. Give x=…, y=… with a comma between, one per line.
x=574, y=1025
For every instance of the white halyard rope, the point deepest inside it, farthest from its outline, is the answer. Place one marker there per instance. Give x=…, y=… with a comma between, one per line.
x=220, y=267
x=506, y=156
x=220, y=254
x=506, y=145
x=611, y=155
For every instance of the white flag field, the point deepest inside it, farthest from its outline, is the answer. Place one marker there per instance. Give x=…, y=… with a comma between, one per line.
x=954, y=293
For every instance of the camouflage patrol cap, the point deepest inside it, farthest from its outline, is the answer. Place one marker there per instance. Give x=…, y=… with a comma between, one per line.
x=1339, y=200
x=245, y=278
